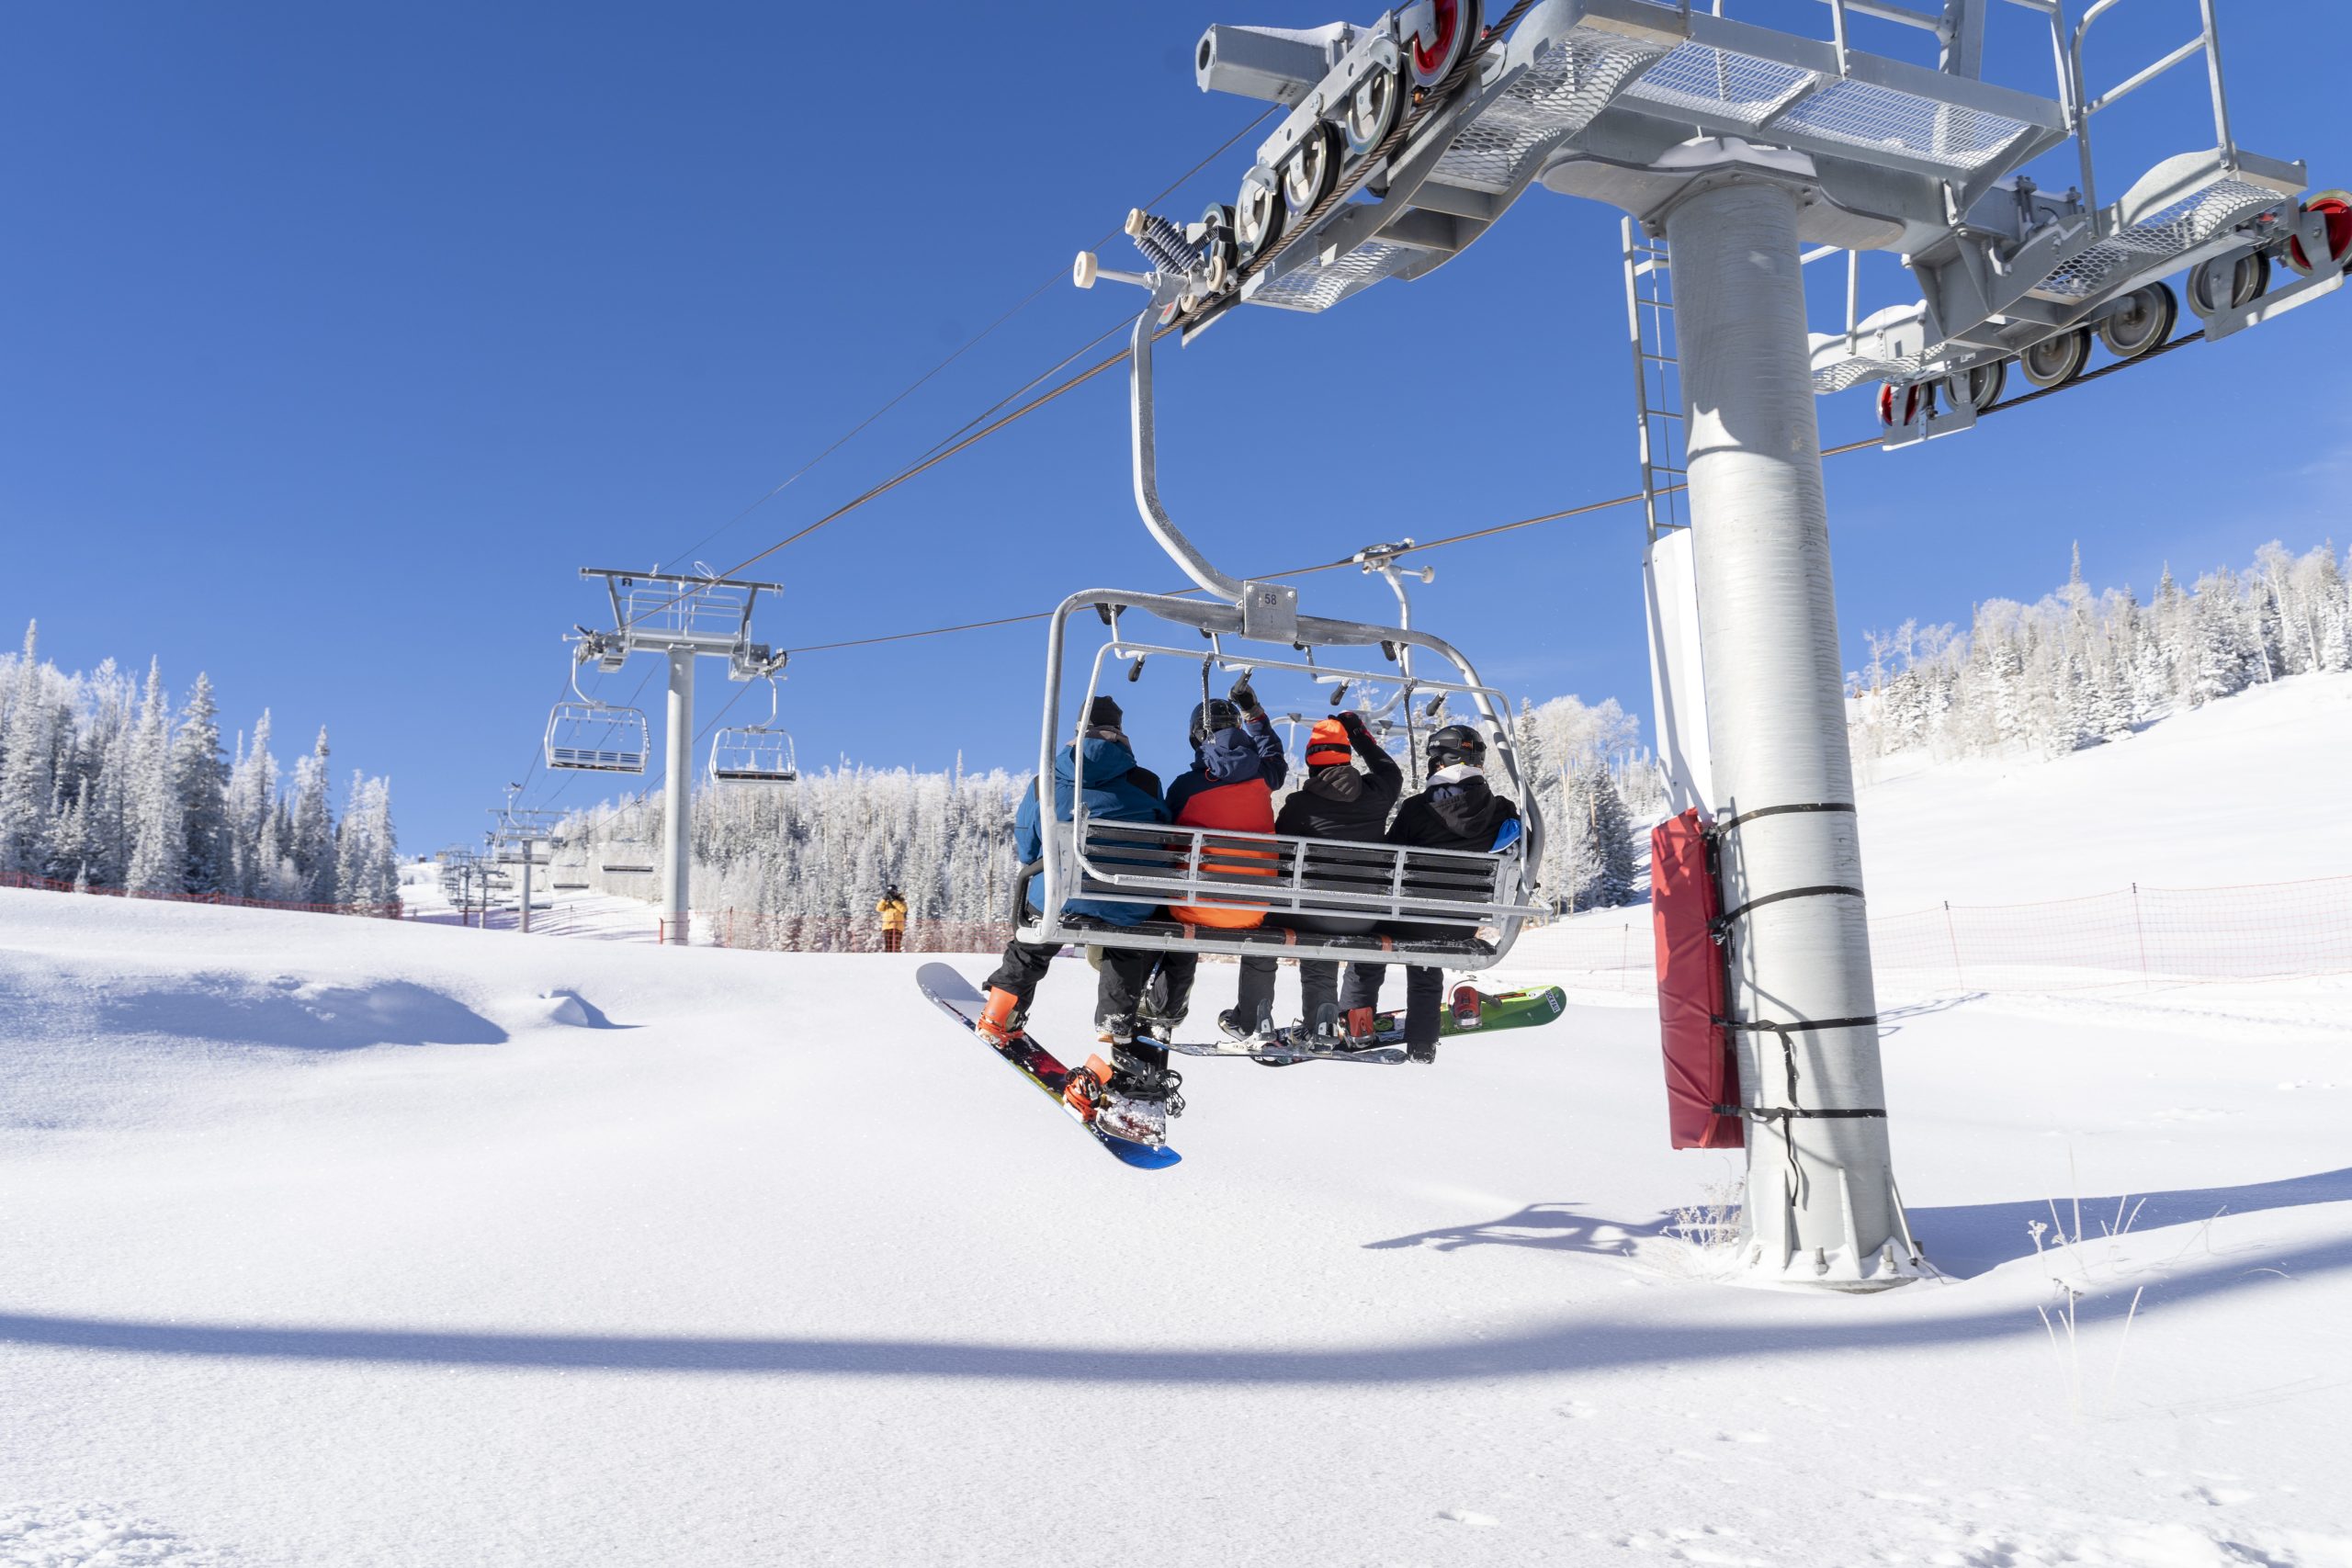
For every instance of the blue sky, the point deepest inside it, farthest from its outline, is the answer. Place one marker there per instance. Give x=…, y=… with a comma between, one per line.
x=334, y=340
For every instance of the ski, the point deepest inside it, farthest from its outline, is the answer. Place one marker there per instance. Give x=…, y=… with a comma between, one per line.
x=955, y=997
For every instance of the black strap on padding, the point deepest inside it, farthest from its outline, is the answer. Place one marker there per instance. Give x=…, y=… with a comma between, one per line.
x=1722, y=921
x=1726, y=827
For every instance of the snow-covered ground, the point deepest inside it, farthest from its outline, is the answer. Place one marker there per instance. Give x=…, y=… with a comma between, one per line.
x=343, y=1242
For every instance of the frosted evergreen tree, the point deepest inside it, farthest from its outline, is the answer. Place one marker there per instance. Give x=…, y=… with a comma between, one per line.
x=73, y=843
x=27, y=765
x=202, y=784
x=312, y=842
x=253, y=791
x=366, y=856
x=158, y=833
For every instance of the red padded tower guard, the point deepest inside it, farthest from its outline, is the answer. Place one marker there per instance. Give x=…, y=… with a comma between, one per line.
x=1702, y=1072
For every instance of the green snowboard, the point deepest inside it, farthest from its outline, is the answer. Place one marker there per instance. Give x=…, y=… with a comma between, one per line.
x=1495, y=1010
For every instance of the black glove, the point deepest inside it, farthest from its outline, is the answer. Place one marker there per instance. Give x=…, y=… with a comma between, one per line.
x=1245, y=697
x=1352, y=722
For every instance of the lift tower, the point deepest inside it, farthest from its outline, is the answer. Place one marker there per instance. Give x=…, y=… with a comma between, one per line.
x=1740, y=145
x=682, y=618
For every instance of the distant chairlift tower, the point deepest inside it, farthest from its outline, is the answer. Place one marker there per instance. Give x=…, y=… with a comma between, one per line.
x=682, y=617
x=1738, y=145
x=526, y=839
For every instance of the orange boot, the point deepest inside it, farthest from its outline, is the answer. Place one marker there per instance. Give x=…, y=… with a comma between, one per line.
x=999, y=1022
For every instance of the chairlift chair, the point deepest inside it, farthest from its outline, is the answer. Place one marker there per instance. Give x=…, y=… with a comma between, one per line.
x=754, y=754
x=588, y=736
x=1476, y=901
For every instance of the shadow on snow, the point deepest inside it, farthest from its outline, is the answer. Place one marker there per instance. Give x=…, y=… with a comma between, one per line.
x=1964, y=1240
x=1587, y=1344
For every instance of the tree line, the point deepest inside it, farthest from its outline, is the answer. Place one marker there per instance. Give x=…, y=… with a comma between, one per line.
x=2079, y=668
x=106, y=786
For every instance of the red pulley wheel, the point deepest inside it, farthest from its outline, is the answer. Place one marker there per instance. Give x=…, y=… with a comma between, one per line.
x=2338, y=213
x=1454, y=24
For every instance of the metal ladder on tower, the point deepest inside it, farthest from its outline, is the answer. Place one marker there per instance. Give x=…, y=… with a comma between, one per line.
x=1657, y=378
x=1669, y=587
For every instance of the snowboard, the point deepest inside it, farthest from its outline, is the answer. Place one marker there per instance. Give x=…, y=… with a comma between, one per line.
x=955, y=997
x=1494, y=1011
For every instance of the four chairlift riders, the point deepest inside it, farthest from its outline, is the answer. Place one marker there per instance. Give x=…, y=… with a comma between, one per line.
x=1237, y=766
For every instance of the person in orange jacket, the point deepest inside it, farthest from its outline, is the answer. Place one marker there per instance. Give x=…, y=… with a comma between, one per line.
x=1238, y=764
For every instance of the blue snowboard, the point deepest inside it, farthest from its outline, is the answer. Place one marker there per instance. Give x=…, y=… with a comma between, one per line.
x=954, y=996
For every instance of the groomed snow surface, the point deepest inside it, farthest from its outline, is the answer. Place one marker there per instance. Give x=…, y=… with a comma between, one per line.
x=338, y=1242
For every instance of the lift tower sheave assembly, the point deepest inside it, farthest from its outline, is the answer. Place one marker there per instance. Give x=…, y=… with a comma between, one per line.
x=1743, y=152
x=681, y=618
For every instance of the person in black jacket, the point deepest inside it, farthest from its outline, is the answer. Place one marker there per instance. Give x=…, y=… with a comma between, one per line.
x=1340, y=803
x=1457, y=811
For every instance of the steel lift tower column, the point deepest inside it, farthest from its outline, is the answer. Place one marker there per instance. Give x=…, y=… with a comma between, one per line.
x=677, y=815
x=1755, y=151
x=1823, y=1186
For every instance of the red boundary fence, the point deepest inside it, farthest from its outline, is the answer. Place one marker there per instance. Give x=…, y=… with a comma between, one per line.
x=51, y=885
x=2135, y=935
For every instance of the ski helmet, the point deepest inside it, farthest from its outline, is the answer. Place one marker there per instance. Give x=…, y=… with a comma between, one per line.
x=1212, y=715
x=1457, y=743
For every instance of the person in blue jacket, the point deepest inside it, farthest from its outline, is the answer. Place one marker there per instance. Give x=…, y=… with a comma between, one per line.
x=1101, y=768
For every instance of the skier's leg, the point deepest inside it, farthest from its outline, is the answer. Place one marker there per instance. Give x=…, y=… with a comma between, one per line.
x=1253, y=1004
x=1010, y=988
x=1176, y=973
x=1119, y=990
x=1363, y=985
x=1318, y=987
x=1424, y=996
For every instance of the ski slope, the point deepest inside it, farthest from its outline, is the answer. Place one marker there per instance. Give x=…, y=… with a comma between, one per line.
x=355, y=1243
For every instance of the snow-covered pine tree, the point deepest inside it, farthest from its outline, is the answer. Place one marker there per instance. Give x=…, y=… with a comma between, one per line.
x=27, y=764
x=202, y=783
x=253, y=790
x=312, y=845
x=366, y=856
x=158, y=833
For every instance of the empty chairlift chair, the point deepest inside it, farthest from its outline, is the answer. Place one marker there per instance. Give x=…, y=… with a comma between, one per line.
x=587, y=736
x=754, y=754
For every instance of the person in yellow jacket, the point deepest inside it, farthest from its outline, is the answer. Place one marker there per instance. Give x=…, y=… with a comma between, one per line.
x=893, y=910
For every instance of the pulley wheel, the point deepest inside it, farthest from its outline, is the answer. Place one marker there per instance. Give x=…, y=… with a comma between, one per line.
x=2141, y=322
x=1373, y=108
x=1258, y=211
x=1897, y=405
x=2229, y=282
x=2054, y=361
x=1311, y=169
x=2337, y=207
x=1217, y=244
x=1428, y=55
x=1978, y=387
